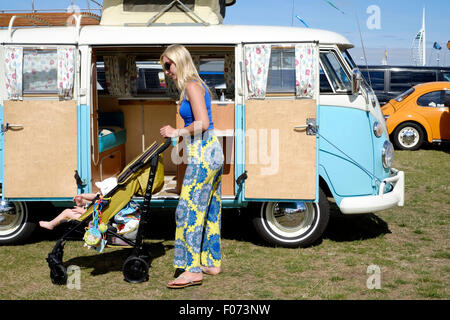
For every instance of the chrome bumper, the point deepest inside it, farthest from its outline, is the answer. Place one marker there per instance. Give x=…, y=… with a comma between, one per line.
x=382, y=201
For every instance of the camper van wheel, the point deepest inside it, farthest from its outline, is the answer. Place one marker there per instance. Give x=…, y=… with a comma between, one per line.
x=135, y=269
x=297, y=224
x=15, y=223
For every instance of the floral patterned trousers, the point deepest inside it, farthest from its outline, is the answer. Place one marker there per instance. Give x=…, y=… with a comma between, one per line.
x=198, y=214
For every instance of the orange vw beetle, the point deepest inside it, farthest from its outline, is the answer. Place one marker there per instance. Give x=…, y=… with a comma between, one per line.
x=422, y=113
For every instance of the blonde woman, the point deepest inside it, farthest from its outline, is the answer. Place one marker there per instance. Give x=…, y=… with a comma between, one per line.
x=198, y=214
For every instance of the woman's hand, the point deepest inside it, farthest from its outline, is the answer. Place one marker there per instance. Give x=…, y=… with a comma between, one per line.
x=168, y=132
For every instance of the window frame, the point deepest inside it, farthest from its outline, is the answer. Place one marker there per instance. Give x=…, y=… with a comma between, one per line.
x=341, y=62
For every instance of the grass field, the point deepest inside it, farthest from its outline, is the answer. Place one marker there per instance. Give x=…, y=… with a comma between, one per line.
x=409, y=246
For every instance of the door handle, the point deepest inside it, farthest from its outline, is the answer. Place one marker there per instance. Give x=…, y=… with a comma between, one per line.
x=310, y=127
x=5, y=127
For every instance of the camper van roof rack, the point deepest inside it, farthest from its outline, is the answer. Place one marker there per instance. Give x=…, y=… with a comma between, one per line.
x=46, y=19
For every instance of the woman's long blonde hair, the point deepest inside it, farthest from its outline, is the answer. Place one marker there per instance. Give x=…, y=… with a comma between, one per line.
x=186, y=70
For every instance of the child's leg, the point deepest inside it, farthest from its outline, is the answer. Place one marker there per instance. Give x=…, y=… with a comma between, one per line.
x=67, y=214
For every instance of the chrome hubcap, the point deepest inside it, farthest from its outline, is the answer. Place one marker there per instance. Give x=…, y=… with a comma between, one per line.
x=11, y=217
x=408, y=137
x=291, y=220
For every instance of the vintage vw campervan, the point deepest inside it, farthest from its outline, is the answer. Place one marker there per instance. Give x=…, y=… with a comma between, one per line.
x=296, y=121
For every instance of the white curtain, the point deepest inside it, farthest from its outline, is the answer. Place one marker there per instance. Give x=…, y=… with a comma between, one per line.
x=306, y=66
x=13, y=72
x=66, y=72
x=257, y=60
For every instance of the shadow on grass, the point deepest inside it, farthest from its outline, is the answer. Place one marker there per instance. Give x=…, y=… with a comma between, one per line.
x=353, y=227
x=110, y=261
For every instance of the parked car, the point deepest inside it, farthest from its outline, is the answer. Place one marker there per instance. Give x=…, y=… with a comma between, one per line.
x=419, y=114
x=390, y=81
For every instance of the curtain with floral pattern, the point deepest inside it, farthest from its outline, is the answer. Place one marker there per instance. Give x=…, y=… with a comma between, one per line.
x=306, y=67
x=13, y=72
x=257, y=60
x=66, y=72
x=112, y=75
x=131, y=74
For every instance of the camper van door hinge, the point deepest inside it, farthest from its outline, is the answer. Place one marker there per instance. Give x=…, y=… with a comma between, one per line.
x=80, y=182
x=241, y=178
x=310, y=126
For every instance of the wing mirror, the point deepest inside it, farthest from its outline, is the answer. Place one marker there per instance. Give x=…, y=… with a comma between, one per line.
x=356, y=81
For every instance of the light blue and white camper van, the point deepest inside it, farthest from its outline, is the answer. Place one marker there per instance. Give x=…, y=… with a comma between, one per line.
x=297, y=123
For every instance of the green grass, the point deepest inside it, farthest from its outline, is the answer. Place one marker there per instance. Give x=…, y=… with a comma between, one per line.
x=410, y=245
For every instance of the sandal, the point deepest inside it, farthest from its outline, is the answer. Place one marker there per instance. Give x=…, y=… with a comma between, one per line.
x=189, y=283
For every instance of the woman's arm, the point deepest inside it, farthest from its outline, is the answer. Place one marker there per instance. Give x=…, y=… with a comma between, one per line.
x=195, y=94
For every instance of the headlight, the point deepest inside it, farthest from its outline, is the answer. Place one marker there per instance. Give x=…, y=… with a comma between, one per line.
x=377, y=129
x=387, y=154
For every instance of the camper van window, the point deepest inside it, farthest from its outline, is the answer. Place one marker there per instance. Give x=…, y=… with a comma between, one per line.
x=281, y=76
x=101, y=78
x=432, y=99
x=212, y=72
x=40, y=71
x=349, y=59
x=151, y=77
x=325, y=86
x=339, y=79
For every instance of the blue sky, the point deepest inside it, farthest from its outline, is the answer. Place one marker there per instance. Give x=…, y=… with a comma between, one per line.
x=399, y=21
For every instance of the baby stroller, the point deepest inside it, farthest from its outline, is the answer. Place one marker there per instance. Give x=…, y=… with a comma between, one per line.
x=143, y=176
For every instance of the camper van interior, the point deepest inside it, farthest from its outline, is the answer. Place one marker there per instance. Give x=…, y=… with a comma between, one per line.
x=134, y=100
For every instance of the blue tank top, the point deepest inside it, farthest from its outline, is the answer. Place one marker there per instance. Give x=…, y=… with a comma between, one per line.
x=186, y=110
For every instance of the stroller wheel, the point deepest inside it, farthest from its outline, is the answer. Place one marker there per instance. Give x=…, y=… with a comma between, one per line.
x=135, y=269
x=58, y=274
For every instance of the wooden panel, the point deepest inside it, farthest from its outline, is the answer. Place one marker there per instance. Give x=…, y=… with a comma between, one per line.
x=280, y=161
x=41, y=158
x=147, y=117
x=223, y=116
x=223, y=119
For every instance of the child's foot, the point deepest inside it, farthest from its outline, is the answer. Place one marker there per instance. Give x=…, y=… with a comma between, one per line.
x=46, y=225
x=211, y=270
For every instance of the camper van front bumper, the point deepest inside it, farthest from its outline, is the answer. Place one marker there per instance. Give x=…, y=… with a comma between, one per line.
x=382, y=201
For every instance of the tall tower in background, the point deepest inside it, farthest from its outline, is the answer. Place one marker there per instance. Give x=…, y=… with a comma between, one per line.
x=419, y=45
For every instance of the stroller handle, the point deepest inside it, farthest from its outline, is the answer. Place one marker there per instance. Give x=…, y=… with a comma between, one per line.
x=164, y=146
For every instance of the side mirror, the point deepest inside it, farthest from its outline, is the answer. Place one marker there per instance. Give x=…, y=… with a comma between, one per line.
x=356, y=81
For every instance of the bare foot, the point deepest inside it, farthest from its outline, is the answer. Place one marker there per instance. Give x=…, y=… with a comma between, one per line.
x=46, y=225
x=211, y=270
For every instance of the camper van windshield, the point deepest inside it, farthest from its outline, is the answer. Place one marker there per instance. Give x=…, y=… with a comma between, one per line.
x=336, y=73
x=349, y=59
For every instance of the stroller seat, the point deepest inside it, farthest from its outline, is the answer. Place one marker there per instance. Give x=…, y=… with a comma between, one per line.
x=132, y=180
x=142, y=176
